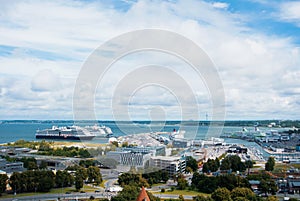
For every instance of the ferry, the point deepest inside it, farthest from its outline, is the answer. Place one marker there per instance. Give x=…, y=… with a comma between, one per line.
x=100, y=131
x=65, y=133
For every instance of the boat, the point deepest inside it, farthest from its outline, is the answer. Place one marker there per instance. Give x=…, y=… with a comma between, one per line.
x=100, y=131
x=65, y=133
x=177, y=134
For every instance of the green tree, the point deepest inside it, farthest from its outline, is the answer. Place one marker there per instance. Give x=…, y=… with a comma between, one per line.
x=87, y=163
x=181, y=198
x=115, y=143
x=202, y=198
x=43, y=165
x=212, y=165
x=205, y=168
x=188, y=169
x=3, y=181
x=127, y=178
x=94, y=175
x=268, y=186
x=191, y=163
x=242, y=192
x=80, y=176
x=196, y=179
x=208, y=185
x=16, y=182
x=45, y=181
x=272, y=198
x=125, y=144
x=78, y=182
x=44, y=146
x=232, y=162
x=221, y=194
x=269, y=166
x=264, y=187
x=63, y=178
x=32, y=165
x=29, y=163
x=181, y=182
x=84, y=153
x=129, y=192
x=248, y=165
x=225, y=165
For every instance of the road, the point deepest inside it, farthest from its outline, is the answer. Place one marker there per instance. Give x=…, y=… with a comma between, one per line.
x=56, y=196
x=168, y=196
x=75, y=196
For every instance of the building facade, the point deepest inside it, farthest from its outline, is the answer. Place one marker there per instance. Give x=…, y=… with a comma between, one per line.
x=173, y=165
x=129, y=158
x=11, y=167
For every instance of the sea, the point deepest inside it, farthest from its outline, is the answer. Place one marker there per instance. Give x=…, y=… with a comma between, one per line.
x=11, y=131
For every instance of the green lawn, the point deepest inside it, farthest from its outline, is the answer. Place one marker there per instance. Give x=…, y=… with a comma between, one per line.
x=159, y=184
x=52, y=191
x=182, y=192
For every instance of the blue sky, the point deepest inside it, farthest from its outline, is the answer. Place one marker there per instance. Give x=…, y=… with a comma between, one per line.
x=253, y=43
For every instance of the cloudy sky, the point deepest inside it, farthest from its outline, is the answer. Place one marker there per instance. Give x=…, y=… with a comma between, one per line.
x=254, y=44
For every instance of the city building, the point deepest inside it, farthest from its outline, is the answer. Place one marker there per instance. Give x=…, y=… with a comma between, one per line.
x=135, y=156
x=129, y=158
x=172, y=164
x=154, y=150
x=9, y=167
x=55, y=163
x=254, y=184
x=298, y=147
x=197, y=153
x=181, y=143
x=293, y=185
x=115, y=155
x=134, y=159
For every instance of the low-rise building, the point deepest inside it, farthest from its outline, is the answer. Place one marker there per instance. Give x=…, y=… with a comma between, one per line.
x=129, y=158
x=10, y=167
x=154, y=150
x=293, y=185
x=254, y=184
x=172, y=164
x=181, y=143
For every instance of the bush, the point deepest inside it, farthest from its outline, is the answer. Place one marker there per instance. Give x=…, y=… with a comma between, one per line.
x=163, y=190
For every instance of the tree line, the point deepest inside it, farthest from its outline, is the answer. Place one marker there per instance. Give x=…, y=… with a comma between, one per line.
x=44, y=180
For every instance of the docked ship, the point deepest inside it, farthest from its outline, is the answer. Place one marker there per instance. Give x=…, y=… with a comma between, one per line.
x=65, y=133
x=100, y=131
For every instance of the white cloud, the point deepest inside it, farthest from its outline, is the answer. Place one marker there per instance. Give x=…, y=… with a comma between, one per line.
x=257, y=69
x=45, y=80
x=290, y=11
x=220, y=5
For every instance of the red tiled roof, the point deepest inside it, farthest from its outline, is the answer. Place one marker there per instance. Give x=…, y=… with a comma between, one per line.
x=143, y=196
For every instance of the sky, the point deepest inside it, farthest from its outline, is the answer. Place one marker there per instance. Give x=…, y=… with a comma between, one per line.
x=254, y=45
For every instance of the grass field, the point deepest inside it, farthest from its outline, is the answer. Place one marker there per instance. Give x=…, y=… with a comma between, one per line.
x=182, y=192
x=85, y=188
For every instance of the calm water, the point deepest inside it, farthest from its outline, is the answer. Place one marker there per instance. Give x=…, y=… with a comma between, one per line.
x=12, y=131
